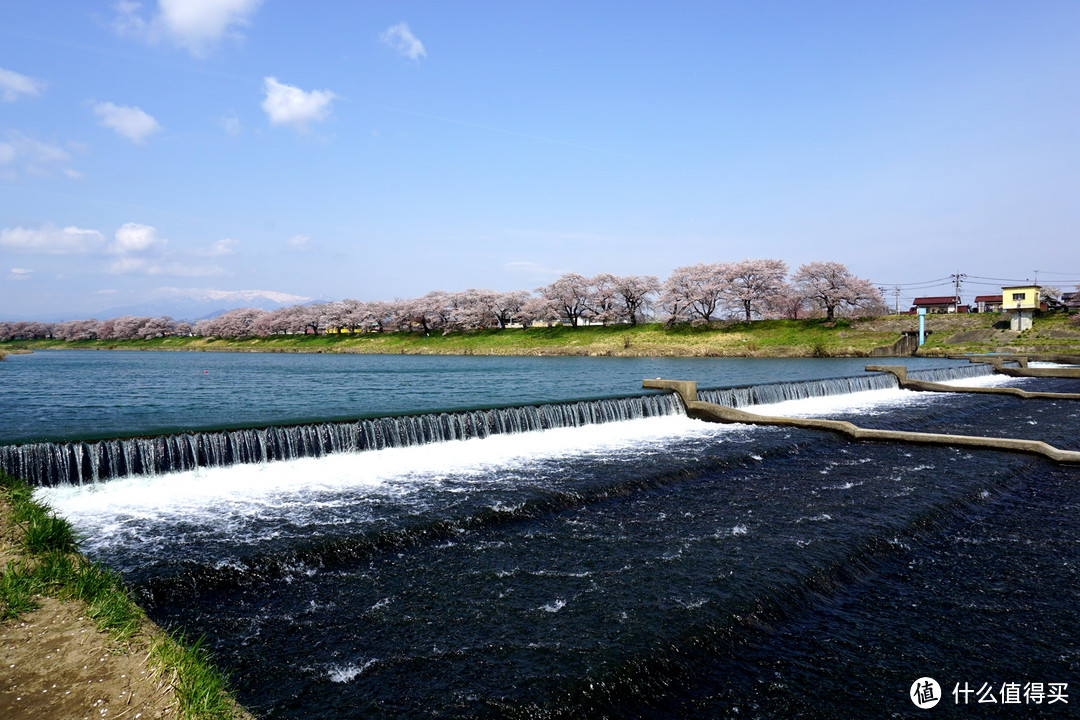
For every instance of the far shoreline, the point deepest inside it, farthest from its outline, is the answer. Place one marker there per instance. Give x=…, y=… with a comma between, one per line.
x=890, y=336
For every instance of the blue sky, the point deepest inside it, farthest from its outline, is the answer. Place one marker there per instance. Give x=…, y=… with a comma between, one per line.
x=381, y=150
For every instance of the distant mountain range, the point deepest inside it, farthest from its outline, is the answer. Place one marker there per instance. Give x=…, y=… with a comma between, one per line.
x=199, y=304
x=190, y=304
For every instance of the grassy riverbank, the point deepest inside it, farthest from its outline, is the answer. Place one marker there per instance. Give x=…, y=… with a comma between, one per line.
x=949, y=334
x=75, y=643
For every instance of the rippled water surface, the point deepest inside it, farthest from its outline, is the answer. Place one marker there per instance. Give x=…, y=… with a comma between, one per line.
x=77, y=394
x=655, y=568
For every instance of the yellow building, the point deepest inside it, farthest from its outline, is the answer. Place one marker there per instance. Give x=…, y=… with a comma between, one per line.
x=1021, y=302
x=1021, y=297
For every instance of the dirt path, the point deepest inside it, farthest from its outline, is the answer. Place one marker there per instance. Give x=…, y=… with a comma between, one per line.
x=57, y=665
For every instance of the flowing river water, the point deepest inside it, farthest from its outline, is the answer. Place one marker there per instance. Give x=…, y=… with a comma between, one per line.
x=628, y=563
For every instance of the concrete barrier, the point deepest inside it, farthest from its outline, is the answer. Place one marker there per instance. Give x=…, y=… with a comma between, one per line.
x=712, y=412
x=998, y=362
x=923, y=386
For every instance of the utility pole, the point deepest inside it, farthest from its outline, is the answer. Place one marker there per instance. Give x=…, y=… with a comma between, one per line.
x=958, y=278
x=896, y=295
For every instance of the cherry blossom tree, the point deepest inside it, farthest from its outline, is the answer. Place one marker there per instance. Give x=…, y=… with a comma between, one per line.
x=540, y=310
x=276, y=322
x=295, y=320
x=570, y=293
x=430, y=312
x=506, y=307
x=77, y=330
x=382, y=315
x=468, y=310
x=313, y=316
x=241, y=322
x=789, y=303
x=127, y=327
x=603, y=300
x=26, y=331
x=693, y=292
x=156, y=327
x=352, y=315
x=635, y=292
x=831, y=287
x=751, y=285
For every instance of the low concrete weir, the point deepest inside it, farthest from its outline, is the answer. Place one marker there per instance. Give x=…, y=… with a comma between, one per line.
x=48, y=464
x=712, y=412
x=998, y=363
x=907, y=383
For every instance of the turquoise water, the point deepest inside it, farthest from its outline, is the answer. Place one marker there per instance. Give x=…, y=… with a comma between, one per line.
x=78, y=395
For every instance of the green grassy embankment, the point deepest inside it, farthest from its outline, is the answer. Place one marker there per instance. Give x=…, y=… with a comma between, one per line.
x=766, y=338
x=41, y=565
x=949, y=334
x=990, y=333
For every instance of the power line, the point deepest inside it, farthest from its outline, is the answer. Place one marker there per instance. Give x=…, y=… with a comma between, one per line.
x=920, y=282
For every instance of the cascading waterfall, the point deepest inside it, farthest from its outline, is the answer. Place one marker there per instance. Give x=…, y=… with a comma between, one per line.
x=953, y=373
x=50, y=464
x=781, y=392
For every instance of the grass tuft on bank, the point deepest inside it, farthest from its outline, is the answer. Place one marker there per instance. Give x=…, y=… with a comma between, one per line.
x=47, y=563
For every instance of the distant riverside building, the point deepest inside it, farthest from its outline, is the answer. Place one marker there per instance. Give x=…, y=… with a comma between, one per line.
x=937, y=305
x=988, y=303
x=1021, y=297
x=1021, y=301
x=1071, y=300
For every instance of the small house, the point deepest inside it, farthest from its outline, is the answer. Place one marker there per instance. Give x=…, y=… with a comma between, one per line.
x=1021, y=297
x=988, y=303
x=937, y=305
x=1021, y=302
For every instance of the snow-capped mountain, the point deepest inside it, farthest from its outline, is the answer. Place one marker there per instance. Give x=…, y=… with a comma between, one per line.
x=199, y=303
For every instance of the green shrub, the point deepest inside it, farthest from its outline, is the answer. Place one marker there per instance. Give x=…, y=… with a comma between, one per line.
x=17, y=590
x=47, y=533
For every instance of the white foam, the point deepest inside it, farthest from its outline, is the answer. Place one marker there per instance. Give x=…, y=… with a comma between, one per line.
x=554, y=607
x=347, y=673
x=274, y=489
x=980, y=381
x=863, y=401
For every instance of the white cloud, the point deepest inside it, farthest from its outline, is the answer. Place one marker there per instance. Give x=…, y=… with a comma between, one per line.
x=48, y=240
x=225, y=246
x=131, y=122
x=128, y=22
x=142, y=266
x=288, y=105
x=230, y=123
x=198, y=24
x=181, y=270
x=21, y=153
x=18, y=273
x=135, y=238
x=132, y=266
x=400, y=38
x=299, y=242
x=195, y=25
x=13, y=84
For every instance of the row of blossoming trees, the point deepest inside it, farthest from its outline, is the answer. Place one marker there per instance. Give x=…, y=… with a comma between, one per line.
x=699, y=294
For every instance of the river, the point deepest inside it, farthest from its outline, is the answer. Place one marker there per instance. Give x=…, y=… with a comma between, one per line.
x=642, y=566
